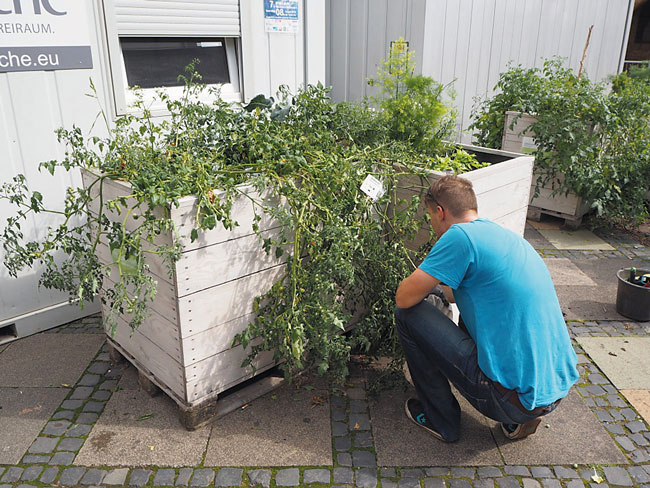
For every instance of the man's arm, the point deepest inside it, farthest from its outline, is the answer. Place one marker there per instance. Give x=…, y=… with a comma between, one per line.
x=414, y=289
x=449, y=294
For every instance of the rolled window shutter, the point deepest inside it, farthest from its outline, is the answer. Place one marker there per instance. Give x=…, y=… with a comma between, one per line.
x=177, y=18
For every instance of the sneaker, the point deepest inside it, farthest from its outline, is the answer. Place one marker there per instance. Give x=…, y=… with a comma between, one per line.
x=519, y=431
x=415, y=413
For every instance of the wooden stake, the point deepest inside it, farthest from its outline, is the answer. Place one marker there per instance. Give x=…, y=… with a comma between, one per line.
x=584, y=52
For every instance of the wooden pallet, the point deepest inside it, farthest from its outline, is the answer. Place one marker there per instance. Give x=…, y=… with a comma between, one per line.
x=197, y=415
x=571, y=222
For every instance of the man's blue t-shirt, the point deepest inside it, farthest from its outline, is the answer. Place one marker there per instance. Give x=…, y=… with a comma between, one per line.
x=507, y=300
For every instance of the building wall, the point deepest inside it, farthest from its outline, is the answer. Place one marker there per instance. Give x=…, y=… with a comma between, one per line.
x=469, y=42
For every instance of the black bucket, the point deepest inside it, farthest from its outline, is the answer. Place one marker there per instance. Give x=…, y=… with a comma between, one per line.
x=632, y=301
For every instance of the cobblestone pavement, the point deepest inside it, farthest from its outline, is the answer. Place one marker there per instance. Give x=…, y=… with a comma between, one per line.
x=48, y=461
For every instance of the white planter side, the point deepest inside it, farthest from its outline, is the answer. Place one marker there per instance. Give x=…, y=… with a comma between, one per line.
x=517, y=138
x=185, y=346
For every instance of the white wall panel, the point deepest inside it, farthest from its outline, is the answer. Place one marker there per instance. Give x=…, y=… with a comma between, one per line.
x=470, y=42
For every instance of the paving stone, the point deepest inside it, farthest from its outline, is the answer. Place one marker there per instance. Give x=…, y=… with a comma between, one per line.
x=164, y=477
x=356, y=393
x=87, y=418
x=203, y=477
x=463, y=473
x=287, y=477
x=358, y=406
x=565, y=473
x=344, y=459
x=316, y=476
x=455, y=483
x=101, y=395
x=551, y=483
x=639, y=456
x=36, y=459
x=529, y=483
x=56, y=427
x=639, y=439
x=488, y=472
x=625, y=443
x=183, y=478
x=89, y=380
x=338, y=401
x=363, y=439
x=516, y=470
x=507, y=482
x=359, y=421
x=5, y=486
x=259, y=477
x=412, y=473
x=603, y=415
x=407, y=483
x=484, y=483
x=575, y=484
x=139, y=477
x=49, y=475
x=339, y=428
x=614, y=428
x=366, y=478
x=616, y=401
x=78, y=430
x=81, y=393
x=62, y=458
x=636, y=426
x=437, y=471
x=63, y=415
x=72, y=404
x=43, y=445
x=638, y=474
x=31, y=473
x=541, y=472
x=616, y=415
x=229, y=477
x=116, y=476
x=364, y=459
x=342, y=443
x=594, y=390
x=108, y=385
x=628, y=413
x=93, y=477
x=13, y=474
x=71, y=476
x=339, y=415
x=617, y=476
x=93, y=406
x=99, y=367
x=386, y=483
x=344, y=475
x=434, y=483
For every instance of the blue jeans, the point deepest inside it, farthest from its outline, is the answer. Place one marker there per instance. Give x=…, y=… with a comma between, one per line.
x=437, y=352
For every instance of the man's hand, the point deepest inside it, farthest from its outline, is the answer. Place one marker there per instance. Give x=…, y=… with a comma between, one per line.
x=415, y=288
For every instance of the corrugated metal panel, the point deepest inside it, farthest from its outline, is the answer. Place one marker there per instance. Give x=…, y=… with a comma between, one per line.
x=177, y=17
x=470, y=42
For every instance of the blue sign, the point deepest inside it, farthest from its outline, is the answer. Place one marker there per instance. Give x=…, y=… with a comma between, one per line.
x=281, y=9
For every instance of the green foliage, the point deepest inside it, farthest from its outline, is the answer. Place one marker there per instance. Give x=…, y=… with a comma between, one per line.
x=411, y=105
x=588, y=141
x=345, y=254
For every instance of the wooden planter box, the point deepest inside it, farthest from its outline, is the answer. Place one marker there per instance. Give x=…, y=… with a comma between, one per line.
x=185, y=346
x=517, y=138
x=502, y=189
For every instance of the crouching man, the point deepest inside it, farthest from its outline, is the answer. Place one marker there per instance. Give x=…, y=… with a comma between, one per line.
x=511, y=356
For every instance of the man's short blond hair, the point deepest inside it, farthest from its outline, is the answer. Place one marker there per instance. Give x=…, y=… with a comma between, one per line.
x=452, y=193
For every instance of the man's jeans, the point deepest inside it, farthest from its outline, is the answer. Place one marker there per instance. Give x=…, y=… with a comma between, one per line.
x=437, y=352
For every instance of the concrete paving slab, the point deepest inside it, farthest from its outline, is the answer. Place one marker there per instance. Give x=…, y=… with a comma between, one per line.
x=640, y=400
x=23, y=414
x=624, y=360
x=537, y=240
x=564, y=272
x=120, y=439
x=282, y=428
x=575, y=239
x=593, y=302
x=3, y=347
x=398, y=442
x=43, y=360
x=574, y=436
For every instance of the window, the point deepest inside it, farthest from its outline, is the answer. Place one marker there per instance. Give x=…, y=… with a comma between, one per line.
x=150, y=43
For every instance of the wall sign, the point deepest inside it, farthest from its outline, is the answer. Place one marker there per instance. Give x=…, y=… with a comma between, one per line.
x=44, y=35
x=281, y=16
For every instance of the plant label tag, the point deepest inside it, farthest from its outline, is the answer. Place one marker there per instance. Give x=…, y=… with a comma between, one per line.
x=372, y=187
x=528, y=145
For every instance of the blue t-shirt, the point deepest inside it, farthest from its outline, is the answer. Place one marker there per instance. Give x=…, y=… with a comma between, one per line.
x=507, y=300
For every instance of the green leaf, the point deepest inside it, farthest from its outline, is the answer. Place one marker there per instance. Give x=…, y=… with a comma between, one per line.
x=194, y=235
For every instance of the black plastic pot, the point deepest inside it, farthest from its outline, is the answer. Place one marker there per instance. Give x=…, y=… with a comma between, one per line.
x=632, y=301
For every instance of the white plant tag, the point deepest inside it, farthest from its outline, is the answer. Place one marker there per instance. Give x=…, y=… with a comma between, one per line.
x=372, y=187
x=528, y=145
